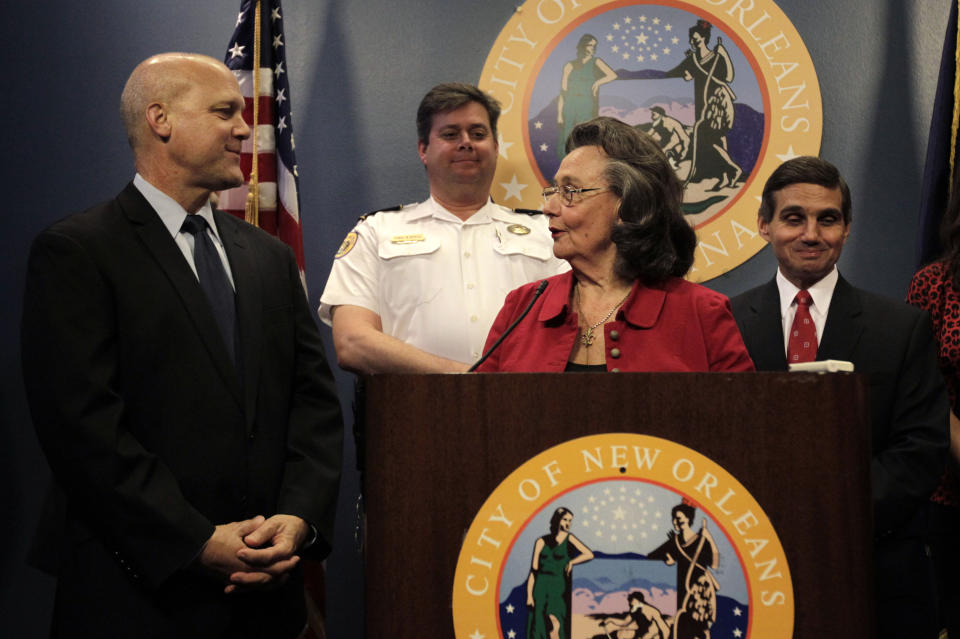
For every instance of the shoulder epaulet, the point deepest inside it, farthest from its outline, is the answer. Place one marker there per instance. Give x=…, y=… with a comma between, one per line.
x=528, y=211
x=386, y=210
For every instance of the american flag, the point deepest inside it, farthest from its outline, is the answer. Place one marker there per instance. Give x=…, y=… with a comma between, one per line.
x=277, y=180
x=279, y=202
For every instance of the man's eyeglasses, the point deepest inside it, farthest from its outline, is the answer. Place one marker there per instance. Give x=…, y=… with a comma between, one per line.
x=567, y=192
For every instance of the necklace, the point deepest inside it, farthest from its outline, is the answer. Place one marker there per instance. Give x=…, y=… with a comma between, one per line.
x=587, y=337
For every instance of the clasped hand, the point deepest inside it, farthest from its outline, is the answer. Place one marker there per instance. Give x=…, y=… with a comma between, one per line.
x=254, y=553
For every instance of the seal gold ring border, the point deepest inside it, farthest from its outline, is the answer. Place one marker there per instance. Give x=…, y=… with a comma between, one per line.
x=793, y=120
x=674, y=467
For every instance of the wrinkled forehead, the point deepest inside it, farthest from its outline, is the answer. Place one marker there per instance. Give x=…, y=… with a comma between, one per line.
x=209, y=83
x=583, y=164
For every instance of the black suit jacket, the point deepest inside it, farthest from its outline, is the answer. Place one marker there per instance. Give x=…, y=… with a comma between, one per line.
x=151, y=433
x=892, y=343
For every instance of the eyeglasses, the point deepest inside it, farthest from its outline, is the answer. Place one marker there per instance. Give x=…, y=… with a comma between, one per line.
x=567, y=192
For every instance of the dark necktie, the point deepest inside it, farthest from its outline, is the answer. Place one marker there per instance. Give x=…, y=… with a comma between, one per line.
x=213, y=280
x=802, y=346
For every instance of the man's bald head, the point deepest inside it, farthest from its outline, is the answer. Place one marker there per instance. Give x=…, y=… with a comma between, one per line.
x=184, y=117
x=160, y=78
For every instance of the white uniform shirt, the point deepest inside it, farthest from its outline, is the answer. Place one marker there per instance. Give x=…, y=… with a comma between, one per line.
x=437, y=282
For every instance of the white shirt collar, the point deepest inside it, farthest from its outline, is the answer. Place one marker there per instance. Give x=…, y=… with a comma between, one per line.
x=821, y=292
x=481, y=216
x=171, y=213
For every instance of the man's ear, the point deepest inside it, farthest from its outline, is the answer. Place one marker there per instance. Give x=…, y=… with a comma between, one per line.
x=763, y=227
x=422, y=152
x=158, y=119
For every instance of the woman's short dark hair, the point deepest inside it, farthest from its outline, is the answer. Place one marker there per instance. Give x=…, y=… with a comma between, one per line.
x=450, y=96
x=653, y=239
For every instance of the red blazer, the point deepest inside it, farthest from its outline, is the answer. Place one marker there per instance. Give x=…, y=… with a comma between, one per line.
x=674, y=326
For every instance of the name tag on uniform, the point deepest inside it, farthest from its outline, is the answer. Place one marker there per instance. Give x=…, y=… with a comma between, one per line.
x=411, y=238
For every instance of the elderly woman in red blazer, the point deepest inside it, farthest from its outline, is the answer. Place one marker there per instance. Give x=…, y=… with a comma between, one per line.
x=615, y=216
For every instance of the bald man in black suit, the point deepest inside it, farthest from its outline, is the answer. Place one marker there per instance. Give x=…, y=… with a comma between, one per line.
x=193, y=427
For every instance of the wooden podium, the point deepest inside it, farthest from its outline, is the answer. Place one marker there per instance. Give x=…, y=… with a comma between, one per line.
x=436, y=446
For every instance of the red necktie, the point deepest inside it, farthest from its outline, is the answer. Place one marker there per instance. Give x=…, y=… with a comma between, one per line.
x=802, y=346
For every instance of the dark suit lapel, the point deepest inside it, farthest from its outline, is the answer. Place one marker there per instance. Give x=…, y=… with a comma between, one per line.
x=763, y=329
x=155, y=237
x=844, y=324
x=246, y=279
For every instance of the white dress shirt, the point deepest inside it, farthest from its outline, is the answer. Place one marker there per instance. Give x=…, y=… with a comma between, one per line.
x=821, y=293
x=172, y=215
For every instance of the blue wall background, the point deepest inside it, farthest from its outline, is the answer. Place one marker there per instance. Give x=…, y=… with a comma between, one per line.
x=358, y=71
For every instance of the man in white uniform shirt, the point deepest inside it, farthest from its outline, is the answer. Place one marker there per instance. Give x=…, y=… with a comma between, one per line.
x=417, y=289
x=805, y=215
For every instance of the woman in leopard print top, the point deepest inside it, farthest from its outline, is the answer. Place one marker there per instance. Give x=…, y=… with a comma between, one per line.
x=936, y=288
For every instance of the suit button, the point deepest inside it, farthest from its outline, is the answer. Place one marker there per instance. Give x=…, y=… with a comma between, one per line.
x=614, y=353
x=614, y=335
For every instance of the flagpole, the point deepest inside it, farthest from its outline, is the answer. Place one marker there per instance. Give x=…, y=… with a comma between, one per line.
x=273, y=204
x=252, y=213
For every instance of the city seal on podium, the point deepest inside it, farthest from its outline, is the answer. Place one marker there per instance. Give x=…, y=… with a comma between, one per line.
x=726, y=88
x=622, y=535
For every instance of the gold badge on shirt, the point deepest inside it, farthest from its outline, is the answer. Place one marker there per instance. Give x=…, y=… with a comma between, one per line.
x=348, y=243
x=519, y=229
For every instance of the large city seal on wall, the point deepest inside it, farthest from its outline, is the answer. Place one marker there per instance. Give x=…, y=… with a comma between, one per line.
x=622, y=536
x=726, y=87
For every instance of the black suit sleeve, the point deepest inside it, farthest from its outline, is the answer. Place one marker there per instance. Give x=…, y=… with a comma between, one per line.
x=315, y=431
x=122, y=492
x=909, y=462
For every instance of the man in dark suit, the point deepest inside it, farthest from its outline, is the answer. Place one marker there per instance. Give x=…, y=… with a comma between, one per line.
x=179, y=388
x=805, y=216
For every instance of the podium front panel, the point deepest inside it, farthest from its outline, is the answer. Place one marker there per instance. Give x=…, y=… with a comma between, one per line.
x=436, y=446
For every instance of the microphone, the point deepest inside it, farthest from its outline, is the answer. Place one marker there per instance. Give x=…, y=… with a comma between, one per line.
x=536, y=295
